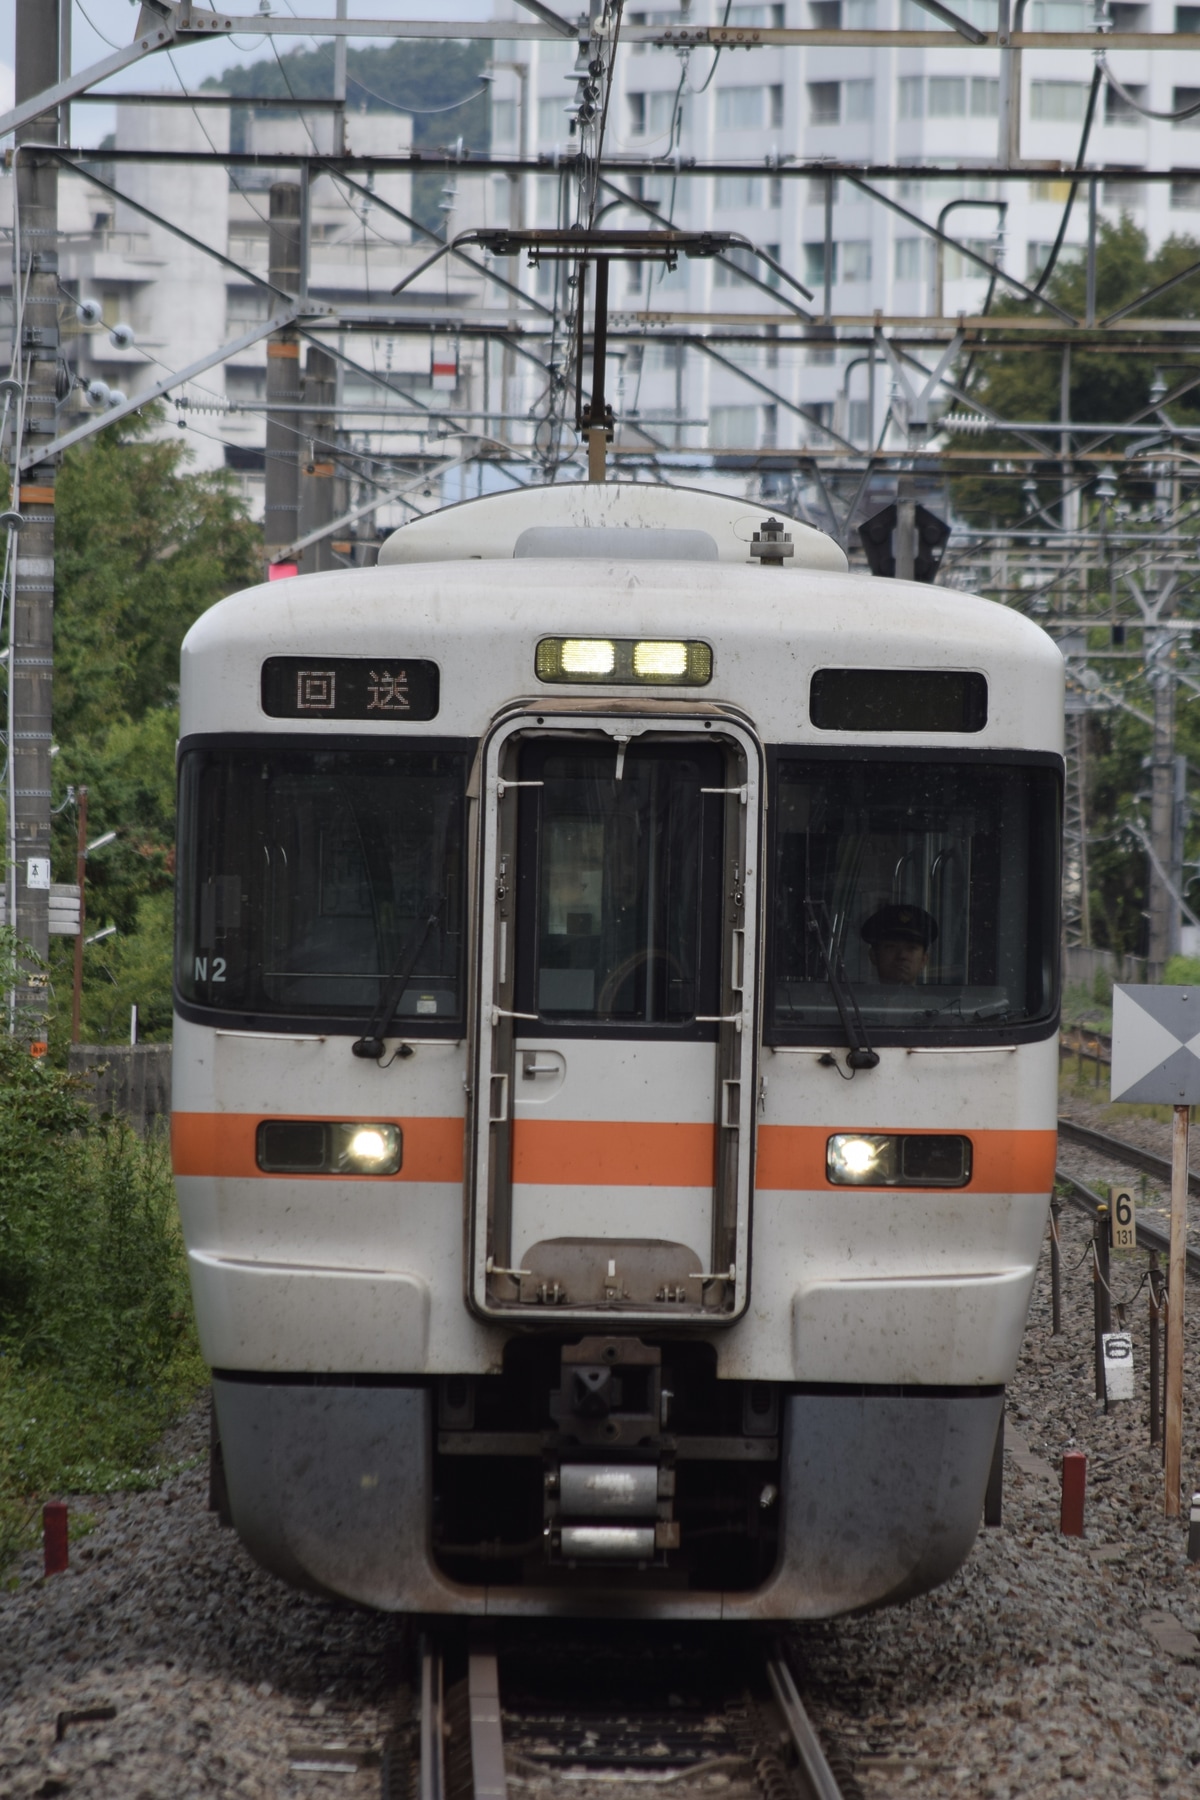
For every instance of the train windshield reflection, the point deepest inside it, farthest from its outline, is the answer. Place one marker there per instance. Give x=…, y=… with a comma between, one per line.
x=936, y=883
x=306, y=874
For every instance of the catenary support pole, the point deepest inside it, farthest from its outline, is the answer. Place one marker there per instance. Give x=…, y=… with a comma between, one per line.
x=81, y=799
x=35, y=363
x=281, y=517
x=597, y=437
x=318, y=479
x=1173, y=1409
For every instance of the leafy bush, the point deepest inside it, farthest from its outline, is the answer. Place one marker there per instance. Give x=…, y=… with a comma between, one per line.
x=97, y=1349
x=1182, y=971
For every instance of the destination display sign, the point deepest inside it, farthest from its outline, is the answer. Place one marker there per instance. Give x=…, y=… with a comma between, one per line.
x=349, y=687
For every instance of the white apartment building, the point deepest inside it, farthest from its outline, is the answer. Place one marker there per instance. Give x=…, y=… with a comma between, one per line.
x=164, y=303
x=771, y=107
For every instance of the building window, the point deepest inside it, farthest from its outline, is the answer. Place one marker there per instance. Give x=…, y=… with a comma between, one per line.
x=772, y=16
x=859, y=15
x=738, y=192
x=859, y=421
x=1038, y=255
x=775, y=191
x=775, y=107
x=770, y=426
x=741, y=109
x=825, y=15
x=1118, y=111
x=504, y=121
x=732, y=268
x=814, y=264
x=964, y=268
x=817, y=185
x=985, y=97
x=912, y=258
x=824, y=103
x=1187, y=19
x=947, y=97
x=1125, y=196
x=1129, y=18
x=912, y=96
x=545, y=200
x=1058, y=102
x=1181, y=98
x=552, y=120
x=859, y=97
x=1185, y=192
x=733, y=427
x=856, y=260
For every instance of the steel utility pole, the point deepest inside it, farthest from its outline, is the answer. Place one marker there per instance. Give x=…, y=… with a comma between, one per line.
x=281, y=517
x=35, y=365
x=318, y=485
x=1162, y=906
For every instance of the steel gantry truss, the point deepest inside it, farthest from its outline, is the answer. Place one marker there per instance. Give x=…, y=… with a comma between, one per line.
x=1083, y=556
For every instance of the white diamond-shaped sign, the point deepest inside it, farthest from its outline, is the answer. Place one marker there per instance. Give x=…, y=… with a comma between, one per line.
x=1156, y=1045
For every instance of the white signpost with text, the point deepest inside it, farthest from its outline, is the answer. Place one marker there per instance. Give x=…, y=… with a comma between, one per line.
x=1156, y=1062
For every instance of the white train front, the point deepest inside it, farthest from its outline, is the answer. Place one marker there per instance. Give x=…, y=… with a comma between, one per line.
x=615, y=1059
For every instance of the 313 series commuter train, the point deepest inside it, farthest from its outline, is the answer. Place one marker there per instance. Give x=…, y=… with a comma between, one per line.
x=615, y=1058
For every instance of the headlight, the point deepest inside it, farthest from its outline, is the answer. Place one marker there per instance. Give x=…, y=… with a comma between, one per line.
x=327, y=1147
x=888, y=1159
x=854, y=1160
x=617, y=662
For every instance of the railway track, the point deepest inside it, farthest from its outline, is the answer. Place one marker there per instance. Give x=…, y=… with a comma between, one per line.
x=482, y=1721
x=1150, y=1236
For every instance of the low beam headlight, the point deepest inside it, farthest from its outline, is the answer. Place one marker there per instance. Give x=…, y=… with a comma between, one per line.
x=327, y=1147
x=621, y=662
x=587, y=656
x=368, y=1149
x=898, y=1159
x=856, y=1159
x=651, y=660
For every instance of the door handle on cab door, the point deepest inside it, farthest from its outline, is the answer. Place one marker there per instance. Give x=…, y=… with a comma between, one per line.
x=531, y=1068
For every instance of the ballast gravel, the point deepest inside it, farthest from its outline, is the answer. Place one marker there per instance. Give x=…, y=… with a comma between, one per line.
x=1049, y=1666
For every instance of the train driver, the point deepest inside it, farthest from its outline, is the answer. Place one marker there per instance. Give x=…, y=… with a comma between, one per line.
x=898, y=940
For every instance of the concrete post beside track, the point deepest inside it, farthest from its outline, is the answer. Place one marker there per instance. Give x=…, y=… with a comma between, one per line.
x=1176, y=1268
x=35, y=363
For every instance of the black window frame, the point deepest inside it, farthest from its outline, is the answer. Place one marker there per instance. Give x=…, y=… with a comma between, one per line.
x=880, y=1036
x=527, y=892
x=323, y=1024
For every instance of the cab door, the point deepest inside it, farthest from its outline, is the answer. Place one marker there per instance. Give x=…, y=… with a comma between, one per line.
x=614, y=1114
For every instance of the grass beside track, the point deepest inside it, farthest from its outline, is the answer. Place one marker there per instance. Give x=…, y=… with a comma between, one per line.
x=97, y=1343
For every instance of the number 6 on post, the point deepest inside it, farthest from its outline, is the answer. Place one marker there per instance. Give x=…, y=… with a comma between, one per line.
x=1122, y=1213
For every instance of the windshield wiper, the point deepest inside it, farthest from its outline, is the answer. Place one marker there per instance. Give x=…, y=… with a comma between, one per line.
x=371, y=1043
x=860, y=1054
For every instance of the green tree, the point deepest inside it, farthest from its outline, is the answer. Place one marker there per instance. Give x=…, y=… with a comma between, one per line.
x=1105, y=385
x=144, y=545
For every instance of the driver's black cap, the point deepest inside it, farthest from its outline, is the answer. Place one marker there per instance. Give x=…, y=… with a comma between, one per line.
x=906, y=924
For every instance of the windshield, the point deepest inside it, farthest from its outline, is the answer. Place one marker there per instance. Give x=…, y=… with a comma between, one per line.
x=936, y=882
x=620, y=884
x=305, y=873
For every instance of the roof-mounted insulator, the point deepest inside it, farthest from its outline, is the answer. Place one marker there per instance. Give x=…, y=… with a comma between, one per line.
x=772, y=544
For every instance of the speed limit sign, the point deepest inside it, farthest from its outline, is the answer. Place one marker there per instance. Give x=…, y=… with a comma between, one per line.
x=1122, y=1213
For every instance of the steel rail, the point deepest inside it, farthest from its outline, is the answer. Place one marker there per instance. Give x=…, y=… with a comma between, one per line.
x=1149, y=1236
x=431, y=1781
x=817, y=1778
x=1120, y=1151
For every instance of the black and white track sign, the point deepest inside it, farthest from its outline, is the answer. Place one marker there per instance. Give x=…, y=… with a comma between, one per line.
x=1156, y=1045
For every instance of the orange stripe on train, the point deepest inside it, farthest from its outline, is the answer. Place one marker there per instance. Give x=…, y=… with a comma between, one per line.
x=223, y=1144
x=591, y=1153
x=615, y=1153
